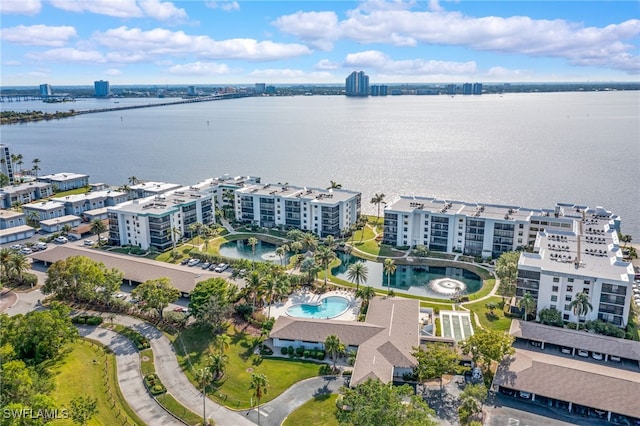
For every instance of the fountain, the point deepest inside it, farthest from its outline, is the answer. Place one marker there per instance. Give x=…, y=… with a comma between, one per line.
x=447, y=286
x=270, y=256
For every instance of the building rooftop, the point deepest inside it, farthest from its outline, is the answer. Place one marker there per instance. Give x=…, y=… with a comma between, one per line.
x=93, y=195
x=154, y=187
x=23, y=187
x=69, y=218
x=601, y=387
x=17, y=230
x=60, y=177
x=314, y=195
x=8, y=214
x=44, y=205
x=623, y=348
x=317, y=330
x=163, y=202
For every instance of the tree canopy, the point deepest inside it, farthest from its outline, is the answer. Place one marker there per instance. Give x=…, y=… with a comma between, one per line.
x=156, y=294
x=376, y=403
x=507, y=272
x=438, y=359
x=488, y=345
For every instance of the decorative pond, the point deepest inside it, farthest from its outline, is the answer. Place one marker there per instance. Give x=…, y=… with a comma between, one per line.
x=421, y=280
x=240, y=249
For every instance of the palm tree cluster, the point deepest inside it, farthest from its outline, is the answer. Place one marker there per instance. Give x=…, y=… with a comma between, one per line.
x=13, y=266
x=268, y=283
x=16, y=163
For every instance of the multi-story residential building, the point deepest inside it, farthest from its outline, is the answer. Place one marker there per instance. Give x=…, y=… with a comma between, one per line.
x=45, y=90
x=223, y=188
x=6, y=165
x=321, y=211
x=11, y=219
x=101, y=88
x=160, y=220
x=14, y=227
x=477, y=88
x=44, y=210
x=467, y=89
x=586, y=260
x=485, y=230
x=79, y=203
x=150, y=189
x=357, y=84
x=66, y=181
x=24, y=193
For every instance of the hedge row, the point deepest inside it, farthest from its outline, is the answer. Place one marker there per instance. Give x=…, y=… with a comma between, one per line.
x=154, y=385
x=302, y=352
x=87, y=319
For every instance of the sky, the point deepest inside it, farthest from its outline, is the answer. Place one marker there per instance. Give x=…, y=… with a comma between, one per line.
x=75, y=42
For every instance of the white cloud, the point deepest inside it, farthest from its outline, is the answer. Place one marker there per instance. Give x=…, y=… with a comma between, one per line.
x=277, y=75
x=160, y=41
x=162, y=11
x=200, y=68
x=395, y=24
x=116, y=8
x=11, y=63
x=380, y=62
x=319, y=29
x=38, y=35
x=326, y=64
x=113, y=72
x=22, y=7
x=68, y=54
x=227, y=6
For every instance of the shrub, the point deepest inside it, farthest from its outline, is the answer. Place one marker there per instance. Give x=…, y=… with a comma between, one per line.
x=244, y=310
x=299, y=350
x=79, y=320
x=29, y=279
x=94, y=320
x=290, y=351
x=347, y=373
x=321, y=355
x=306, y=354
x=284, y=350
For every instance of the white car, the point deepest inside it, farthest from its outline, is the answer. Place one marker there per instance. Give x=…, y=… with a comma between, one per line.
x=583, y=353
x=596, y=355
x=61, y=240
x=16, y=247
x=89, y=243
x=614, y=358
x=25, y=250
x=40, y=246
x=221, y=267
x=525, y=395
x=193, y=262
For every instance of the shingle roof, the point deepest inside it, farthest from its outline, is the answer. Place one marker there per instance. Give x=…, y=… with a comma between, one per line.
x=317, y=330
x=135, y=269
x=576, y=339
x=602, y=387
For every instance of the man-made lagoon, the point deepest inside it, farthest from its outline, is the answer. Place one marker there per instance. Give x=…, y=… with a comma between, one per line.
x=240, y=249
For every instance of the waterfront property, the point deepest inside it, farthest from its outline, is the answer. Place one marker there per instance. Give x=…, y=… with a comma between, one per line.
x=44, y=210
x=66, y=181
x=58, y=224
x=321, y=211
x=159, y=221
x=384, y=342
x=14, y=226
x=6, y=165
x=587, y=260
x=77, y=204
x=592, y=375
x=223, y=187
x=24, y=193
x=485, y=230
x=150, y=189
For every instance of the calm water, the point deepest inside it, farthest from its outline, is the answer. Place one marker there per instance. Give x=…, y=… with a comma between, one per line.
x=329, y=307
x=239, y=249
x=530, y=150
x=410, y=279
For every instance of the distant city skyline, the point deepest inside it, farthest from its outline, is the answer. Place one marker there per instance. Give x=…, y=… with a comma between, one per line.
x=76, y=42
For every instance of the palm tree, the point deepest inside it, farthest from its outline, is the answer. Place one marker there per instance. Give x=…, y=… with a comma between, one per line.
x=204, y=378
x=218, y=365
x=13, y=160
x=527, y=304
x=378, y=199
x=330, y=242
x=253, y=282
x=5, y=255
x=324, y=256
x=309, y=241
x=366, y=294
x=389, y=268
x=36, y=167
x=253, y=242
x=333, y=345
x=18, y=264
x=358, y=274
x=260, y=386
x=66, y=229
x=98, y=227
x=133, y=180
x=20, y=163
x=220, y=343
x=309, y=266
x=175, y=235
x=334, y=185
x=281, y=252
x=581, y=306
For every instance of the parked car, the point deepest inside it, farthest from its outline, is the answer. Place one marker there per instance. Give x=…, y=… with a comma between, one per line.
x=61, y=240
x=26, y=250
x=185, y=261
x=213, y=266
x=565, y=350
x=583, y=353
x=16, y=247
x=614, y=358
x=525, y=395
x=596, y=355
x=221, y=267
x=205, y=265
x=193, y=262
x=89, y=243
x=120, y=296
x=536, y=343
x=103, y=240
x=40, y=245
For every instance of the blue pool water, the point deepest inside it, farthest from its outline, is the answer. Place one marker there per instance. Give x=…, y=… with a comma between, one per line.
x=329, y=307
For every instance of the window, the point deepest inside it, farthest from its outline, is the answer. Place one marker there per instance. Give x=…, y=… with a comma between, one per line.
x=570, y=280
x=567, y=298
x=569, y=288
x=553, y=306
x=567, y=307
x=556, y=279
x=554, y=298
x=554, y=288
x=585, y=290
x=521, y=226
x=587, y=282
x=565, y=317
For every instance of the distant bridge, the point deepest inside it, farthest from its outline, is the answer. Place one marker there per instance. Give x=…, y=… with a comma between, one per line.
x=20, y=98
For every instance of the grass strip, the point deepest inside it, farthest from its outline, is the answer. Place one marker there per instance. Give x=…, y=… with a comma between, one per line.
x=174, y=407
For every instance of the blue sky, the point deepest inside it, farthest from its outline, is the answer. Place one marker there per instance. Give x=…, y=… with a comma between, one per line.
x=74, y=42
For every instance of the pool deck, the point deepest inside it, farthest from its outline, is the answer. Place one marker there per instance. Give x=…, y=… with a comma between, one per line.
x=306, y=296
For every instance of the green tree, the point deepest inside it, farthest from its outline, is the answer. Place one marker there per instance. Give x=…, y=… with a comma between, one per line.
x=83, y=409
x=507, y=273
x=309, y=241
x=324, y=256
x=488, y=345
x=260, y=386
x=435, y=361
x=4, y=180
x=468, y=410
x=421, y=251
x=375, y=403
x=334, y=185
x=79, y=278
x=491, y=306
x=224, y=291
x=204, y=378
x=36, y=166
x=330, y=242
x=253, y=242
x=221, y=342
x=358, y=274
x=281, y=252
x=580, y=305
x=335, y=347
x=5, y=255
x=156, y=294
x=97, y=228
x=253, y=283
x=218, y=365
x=528, y=305
x=311, y=268
x=366, y=294
x=133, y=180
x=378, y=200
x=389, y=267
x=18, y=265
x=551, y=317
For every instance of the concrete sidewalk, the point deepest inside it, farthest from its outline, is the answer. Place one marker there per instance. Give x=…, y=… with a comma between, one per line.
x=130, y=377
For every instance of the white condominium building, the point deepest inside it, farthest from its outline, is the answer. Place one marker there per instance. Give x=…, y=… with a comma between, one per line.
x=321, y=211
x=585, y=260
x=160, y=220
x=66, y=181
x=150, y=189
x=485, y=230
x=79, y=203
x=223, y=188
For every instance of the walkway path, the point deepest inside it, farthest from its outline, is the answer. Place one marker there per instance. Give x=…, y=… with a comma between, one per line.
x=129, y=376
x=171, y=375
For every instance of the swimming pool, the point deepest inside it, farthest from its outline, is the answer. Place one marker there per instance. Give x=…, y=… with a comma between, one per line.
x=329, y=307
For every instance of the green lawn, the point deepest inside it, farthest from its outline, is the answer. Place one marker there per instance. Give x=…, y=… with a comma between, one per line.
x=146, y=362
x=233, y=389
x=171, y=404
x=497, y=321
x=82, y=373
x=321, y=410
